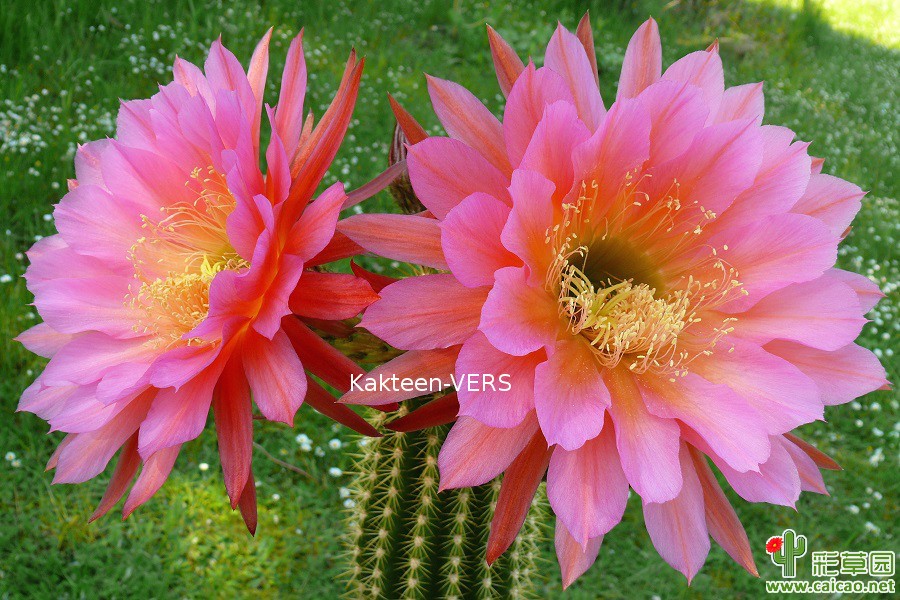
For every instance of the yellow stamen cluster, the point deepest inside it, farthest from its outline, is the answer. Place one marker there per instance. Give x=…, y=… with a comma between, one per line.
x=177, y=259
x=627, y=319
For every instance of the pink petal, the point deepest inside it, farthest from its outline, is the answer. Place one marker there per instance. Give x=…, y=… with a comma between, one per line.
x=471, y=240
x=677, y=113
x=289, y=112
x=178, y=415
x=42, y=340
x=465, y=118
x=742, y=102
x=532, y=92
x=126, y=467
x=726, y=421
x=677, y=528
x=549, y=152
x=619, y=146
x=774, y=252
x=85, y=455
x=511, y=395
x=474, y=453
x=315, y=228
x=777, y=481
x=425, y=312
x=569, y=394
x=444, y=171
x=89, y=356
x=831, y=200
x=275, y=376
x=415, y=364
x=704, y=70
x=574, y=560
x=153, y=475
x=643, y=61
x=647, y=444
x=780, y=181
x=810, y=477
x=519, y=319
x=407, y=238
x=256, y=76
x=841, y=375
x=782, y=395
x=867, y=291
x=526, y=228
x=234, y=428
x=587, y=488
x=566, y=55
x=823, y=313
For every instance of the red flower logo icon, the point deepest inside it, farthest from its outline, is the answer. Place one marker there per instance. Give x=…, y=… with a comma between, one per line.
x=774, y=544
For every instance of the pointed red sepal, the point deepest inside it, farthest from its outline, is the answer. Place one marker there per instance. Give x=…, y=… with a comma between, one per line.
x=714, y=47
x=126, y=467
x=380, y=182
x=520, y=482
x=507, y=63
x=441, y=411
x=586, y=36
x=414, y=132
x=338, y=248
x=247, y=504
x=821, y=459
x=378, y=282
x=320, y=400
x=233, y=414
x=721, y=520
x=335, y=328
x=321, y=358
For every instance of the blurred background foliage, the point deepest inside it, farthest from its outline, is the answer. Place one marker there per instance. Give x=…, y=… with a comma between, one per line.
x=831, y=71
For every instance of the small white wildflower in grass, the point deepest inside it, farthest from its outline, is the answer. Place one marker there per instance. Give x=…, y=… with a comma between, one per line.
x=334, y=444
x=204, y=466
x=875, y=406
x=10, y=456
x=275, y=519
x=858, y=423
x=5, y=278
x=853, y=509
x=305, y=447
x=877, y=495
x=298, y=531
x=855, y=405
x=877, y=432
x=48, y=217
x=16, y=463
x=362, y=443
x=303, y=439
x=872, y=528
x=344, y=492
x=319, y=452
x=876, y=457
x=20, y=256
x=349, y=503
x=335, y=472
x=276, y=497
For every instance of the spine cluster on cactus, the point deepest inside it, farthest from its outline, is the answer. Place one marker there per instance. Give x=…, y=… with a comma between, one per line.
x=407, y=540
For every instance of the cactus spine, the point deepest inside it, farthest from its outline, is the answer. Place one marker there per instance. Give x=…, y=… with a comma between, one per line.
x=406, y=540
x=793, y=547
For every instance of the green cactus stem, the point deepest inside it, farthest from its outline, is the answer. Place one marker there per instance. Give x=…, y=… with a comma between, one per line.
x=407, y=540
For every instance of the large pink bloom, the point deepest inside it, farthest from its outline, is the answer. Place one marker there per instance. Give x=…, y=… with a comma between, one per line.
x=655, y=277
x=169, y=287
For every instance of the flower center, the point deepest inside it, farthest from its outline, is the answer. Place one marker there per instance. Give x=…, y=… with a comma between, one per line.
x=614, y=293
x=175, y=262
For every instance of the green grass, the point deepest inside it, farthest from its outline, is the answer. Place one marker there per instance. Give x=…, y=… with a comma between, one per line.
x=831, y=70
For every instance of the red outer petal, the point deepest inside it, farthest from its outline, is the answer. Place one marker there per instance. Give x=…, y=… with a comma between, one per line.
x=234, y=428
x=414, y=132
x=129, y=461
x=378, y=282
x=723, y=523
x=821, y=459
x=586, y=36
x=441, y=411
x=247, y=504
x=323, y=402
x=321, y=358
x=519, y=486
x=506, y=62
x=338, y=248
x=331, y=295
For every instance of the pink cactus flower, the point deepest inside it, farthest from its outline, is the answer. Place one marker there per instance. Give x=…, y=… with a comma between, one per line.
x=656, y=279
x=172, y=285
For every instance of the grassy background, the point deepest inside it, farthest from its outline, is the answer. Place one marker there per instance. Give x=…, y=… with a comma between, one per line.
x=831, y=70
